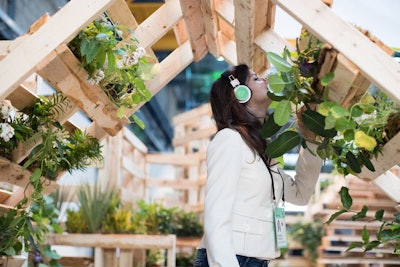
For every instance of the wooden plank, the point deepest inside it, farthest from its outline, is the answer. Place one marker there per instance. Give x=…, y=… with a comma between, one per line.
x=390, y=184
x=114, y=240
x=132, y=168
x=172, y=159
x=193, y=114
x=62, y=70
x=21, y=62
x=13, y=173
x=211, y=26
x=269, y=40
x=193, y=17
x=134, y=141
x=251, y=19
x=159, y=23
x=4, y=194
x=171, y=66
x=205, y=133
x=389, y=157
x=227, y=49
x=345, y=74
x=120, y=13
x=178, y=184
x=374, y=63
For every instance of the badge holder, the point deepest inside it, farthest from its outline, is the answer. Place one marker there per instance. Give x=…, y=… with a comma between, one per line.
x=280, y=227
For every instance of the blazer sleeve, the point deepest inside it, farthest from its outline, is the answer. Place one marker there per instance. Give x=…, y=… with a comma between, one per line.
x=224, y=160
x=308, y=167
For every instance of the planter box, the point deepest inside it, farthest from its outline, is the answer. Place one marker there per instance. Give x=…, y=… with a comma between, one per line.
x=15, y=261
x=63, y=71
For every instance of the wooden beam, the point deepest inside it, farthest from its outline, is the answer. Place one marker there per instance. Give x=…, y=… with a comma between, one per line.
x=159, y=23
x=21, y=62
x=251, y=18
x=171, y=66
x=227, y=49
x=194, y=20
x=211, y=26
x=374, y=63
x=172, y=159
x=390, y=184
x=390, y=157
x=120, y=13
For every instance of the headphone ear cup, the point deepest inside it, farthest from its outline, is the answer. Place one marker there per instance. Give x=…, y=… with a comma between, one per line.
x=242, y=93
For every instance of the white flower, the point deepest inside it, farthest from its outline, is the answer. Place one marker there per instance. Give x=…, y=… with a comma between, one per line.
x=97, y=77
x=6, y=131
x=120, y=64
x=141, y=51
x=130, y=60
x=8, y=112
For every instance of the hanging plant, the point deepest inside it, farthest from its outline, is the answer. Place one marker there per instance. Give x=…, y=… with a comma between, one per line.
x=120, y=67
x=54, y=150
x=349, y=137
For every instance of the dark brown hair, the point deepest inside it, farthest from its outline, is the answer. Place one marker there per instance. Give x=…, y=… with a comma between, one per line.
x=229, y=113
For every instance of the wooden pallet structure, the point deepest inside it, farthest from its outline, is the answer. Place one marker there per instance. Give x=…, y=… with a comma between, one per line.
x=239, y=31
x=343, y=231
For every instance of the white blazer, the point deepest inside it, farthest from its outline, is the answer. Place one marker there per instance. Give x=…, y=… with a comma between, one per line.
x=238, y=207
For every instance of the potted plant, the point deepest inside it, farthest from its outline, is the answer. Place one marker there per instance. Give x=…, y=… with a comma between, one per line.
x=118, y=66
x=53, y=151
x=349, y=136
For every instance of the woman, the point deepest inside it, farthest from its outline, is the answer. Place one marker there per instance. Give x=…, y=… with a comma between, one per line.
x=243, y=188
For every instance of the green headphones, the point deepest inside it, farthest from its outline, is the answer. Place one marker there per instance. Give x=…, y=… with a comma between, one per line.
x=242, y=92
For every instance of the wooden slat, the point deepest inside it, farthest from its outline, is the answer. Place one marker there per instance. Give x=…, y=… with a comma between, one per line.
x=374, y=63
x=172, y=159
x=179, y=184
x=269, y=40
x=390, y=184
x=20, y=63
x=196, y=135
x=251, y=18
x=4, y=194
x=211, y=26
x=13, y=173
x=120, y=13
x=390, y=157
x=63, y=71
x=159, y=23
x=194, y=20
x=194, y=114
x=227, y=49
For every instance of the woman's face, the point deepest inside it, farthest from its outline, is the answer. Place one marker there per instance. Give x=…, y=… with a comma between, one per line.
x=259, y=90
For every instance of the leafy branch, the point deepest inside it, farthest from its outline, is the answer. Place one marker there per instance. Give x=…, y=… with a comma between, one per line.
x=388, y=233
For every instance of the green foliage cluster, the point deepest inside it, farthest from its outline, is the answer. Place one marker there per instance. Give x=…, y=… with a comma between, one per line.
x=309, y=234
x=117, y=64
x=54, y=150
x=146, y=218
x=349, y=137
x=388, y=233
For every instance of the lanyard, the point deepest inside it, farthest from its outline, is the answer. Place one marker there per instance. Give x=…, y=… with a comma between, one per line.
x=273, y=185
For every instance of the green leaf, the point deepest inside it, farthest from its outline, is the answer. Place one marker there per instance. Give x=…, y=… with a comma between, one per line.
x=279, y=62
x=276, y=96
x=121, y=112
x=339, y=111
x=335, y=215
x=365, y=160
x=345, y=198
x=37, y=173
x=101, y=58
x=354, y=245
x=356, y=111
x=315, y=121
x=93, y=49
x=343, y=124
x=365, y=234
x=111, y=60
x=270, y=128
x=330, y=122
x=372, y=245
x=283, y=143
x=379, y=215
x=361, y=214
x=327, y=78
x=325, y=107
x=282, y=112
x=138, y=121
x=275, y=83
x=362, y=140
x=352, y=162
